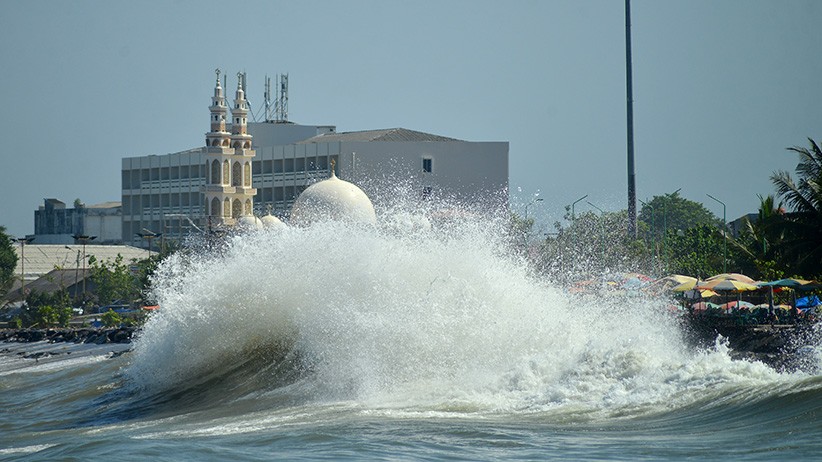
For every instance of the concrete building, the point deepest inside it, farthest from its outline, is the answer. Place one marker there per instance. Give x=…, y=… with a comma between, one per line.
x=56, y=224
x=264, y=166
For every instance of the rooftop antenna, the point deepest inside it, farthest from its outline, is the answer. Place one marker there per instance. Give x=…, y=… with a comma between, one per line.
x=267, y=98
x=281, y=105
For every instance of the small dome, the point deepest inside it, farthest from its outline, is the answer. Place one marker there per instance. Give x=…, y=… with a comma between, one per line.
x=271, y=222
x=333, y=199
x=250, y=222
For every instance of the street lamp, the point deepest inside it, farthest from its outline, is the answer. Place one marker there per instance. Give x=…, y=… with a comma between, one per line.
x=76, y=270
x=83, y=239
x=23, y=241
x=527, y=231
x=724, y=235
x=665, y=227
x=149, y=235
x=573, y=229
x=653, y=230
x=602, y=232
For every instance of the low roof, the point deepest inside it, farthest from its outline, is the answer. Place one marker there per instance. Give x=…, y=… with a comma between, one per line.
x=53, y=281
x=388, y=134
x=40, y=259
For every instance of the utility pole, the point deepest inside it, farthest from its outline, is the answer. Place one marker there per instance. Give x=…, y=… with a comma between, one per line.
x=630, y=97
x=23, y=241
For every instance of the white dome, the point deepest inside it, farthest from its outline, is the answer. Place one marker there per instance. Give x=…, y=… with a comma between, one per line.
x=333, y=199
x=250, y=222
x=272, y=222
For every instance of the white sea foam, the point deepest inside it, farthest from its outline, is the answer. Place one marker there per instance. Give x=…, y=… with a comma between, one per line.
x=405, y=317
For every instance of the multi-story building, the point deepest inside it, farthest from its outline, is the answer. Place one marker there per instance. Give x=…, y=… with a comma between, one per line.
x=260, y=167
x=56, y=224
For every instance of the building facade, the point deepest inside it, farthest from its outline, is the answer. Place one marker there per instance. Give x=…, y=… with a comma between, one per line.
x=258, y=167
x=54, y=223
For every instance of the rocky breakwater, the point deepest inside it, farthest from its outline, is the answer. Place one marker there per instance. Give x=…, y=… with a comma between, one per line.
x=83, y=335
x=784, y=347
x=50, y=344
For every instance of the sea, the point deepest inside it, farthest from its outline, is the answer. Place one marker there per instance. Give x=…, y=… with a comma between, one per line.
x=409, y=340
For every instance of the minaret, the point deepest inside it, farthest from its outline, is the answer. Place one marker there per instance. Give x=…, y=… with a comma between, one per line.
x=228, y=192
x=218, y=136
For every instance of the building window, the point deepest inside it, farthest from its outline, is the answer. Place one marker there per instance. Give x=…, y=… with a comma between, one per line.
x=426, y=192
x=426, y=165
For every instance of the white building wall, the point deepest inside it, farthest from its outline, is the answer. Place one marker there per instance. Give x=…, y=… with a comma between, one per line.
x=158, y=188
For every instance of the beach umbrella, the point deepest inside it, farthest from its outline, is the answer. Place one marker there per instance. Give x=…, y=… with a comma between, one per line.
x=787, y=282
x=693, y=293
x=732, y=276
x=726, y=285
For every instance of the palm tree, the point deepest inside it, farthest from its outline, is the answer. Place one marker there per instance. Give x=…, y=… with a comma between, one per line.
x=803, y=225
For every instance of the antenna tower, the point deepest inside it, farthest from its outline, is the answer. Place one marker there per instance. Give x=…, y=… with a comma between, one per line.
x=267, y=99
x=281, y=105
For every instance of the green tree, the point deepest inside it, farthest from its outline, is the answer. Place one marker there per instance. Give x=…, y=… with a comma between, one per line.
x=46, y=309
x=113, y=281
x=760, y=242
x=8, y=261
x=697, y=251
x=802, y=244
x=111, y=319
x=674, y=212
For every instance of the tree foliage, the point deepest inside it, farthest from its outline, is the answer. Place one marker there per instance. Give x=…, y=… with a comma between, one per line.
x=114, y=281
x=802, y=225
x=46, y=310
x=8, y=261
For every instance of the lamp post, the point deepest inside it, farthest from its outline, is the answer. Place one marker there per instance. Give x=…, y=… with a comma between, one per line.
x=602, y=232
x=665, y=227
x=724, y=235
x=653, y=230
x=149, y=235
x=76, y=270
x=23, y=241
x=573, y=229
x=83, y=239
x=527, y=232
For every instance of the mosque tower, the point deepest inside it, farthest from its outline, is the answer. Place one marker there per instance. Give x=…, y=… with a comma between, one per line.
x=229, y=196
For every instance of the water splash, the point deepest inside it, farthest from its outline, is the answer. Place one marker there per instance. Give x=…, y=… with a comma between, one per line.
x=414, y=316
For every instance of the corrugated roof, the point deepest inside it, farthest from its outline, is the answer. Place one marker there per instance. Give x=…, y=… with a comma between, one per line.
x=53, y=281
x=43, y=258
x=388, y=134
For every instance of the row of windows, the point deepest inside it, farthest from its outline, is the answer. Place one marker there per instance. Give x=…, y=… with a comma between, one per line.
x=133, y=178
x=300, y=164
x=134, y=205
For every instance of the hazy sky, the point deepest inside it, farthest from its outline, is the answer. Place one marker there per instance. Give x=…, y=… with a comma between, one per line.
x=721, y=88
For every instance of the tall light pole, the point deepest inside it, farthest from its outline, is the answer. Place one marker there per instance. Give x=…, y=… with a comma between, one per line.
x=602, y=232
x=23, y=241
x=573, y=230
x=724, y=235
x=83, y=239
x=665, y=227
x=630, y=116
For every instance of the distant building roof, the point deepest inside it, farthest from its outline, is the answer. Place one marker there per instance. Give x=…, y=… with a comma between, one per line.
x=106, y=205
x=388, y=134
x=43, y=258
x=53, y=281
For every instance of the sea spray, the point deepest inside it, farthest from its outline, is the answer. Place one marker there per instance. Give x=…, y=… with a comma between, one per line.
x=413, y=316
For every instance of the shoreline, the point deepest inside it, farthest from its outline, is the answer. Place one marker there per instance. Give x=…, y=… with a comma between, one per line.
x=98, y=336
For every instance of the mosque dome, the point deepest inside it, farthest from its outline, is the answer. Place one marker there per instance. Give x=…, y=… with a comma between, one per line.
x=271, y=222
x=250, y=222
x=333, y=199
